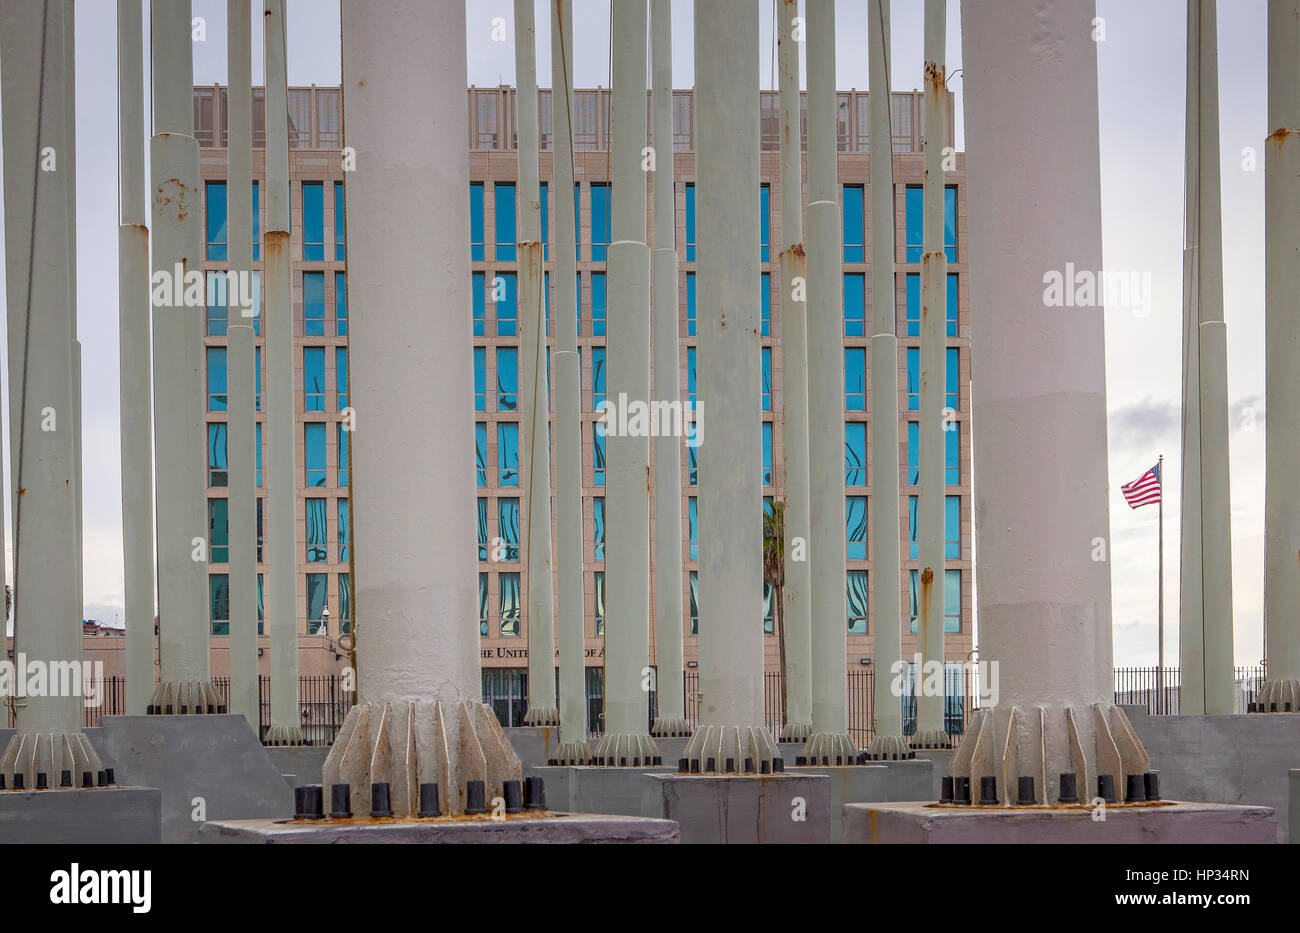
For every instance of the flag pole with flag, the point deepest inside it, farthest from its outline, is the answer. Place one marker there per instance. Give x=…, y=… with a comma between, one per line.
x=1148, y=489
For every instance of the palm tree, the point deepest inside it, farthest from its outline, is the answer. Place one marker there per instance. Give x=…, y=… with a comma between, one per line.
x=774, y=576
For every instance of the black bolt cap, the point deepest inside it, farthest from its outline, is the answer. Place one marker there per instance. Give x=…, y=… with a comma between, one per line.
x=778, y=765
x=961, y=789
x=1135, y=790
x=102, y=778
x=1106, y=787
x=731, y=765
x=636, y=762
x=1026, y=797
x=1152, y=781
x=800, y=761
x=340, y=802
x=475, y=797
x=42, y=780
x=695, y=766
x=314, y=800
x=749, y=765
x=988, y=791
x=65, y=778
x=945, y=789
x=112, y=779
x=379, y=799
x=711, y=766
x=19, y=780
x=87, y=779
x=622, y=762
x=683, y=765
x=1069, y=792
x=299, y=801
x=765, y=767
x=534, y=793
x=513, y=791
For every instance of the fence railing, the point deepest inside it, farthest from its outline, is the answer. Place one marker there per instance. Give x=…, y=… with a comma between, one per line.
x=323, y=704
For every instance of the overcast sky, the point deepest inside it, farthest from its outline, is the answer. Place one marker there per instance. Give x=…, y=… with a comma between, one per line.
x=1141, y=63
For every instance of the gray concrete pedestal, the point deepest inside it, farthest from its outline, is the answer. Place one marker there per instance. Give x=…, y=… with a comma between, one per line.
x=556, y=828
x=94, y=816
x=873, y=783
x=746, y=809
x=1163, y=823
x=207, y=767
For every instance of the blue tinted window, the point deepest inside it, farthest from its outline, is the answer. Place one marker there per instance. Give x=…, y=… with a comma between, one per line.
x=219, y=602
x=313, y=378
x=313, y=221
x=340, y=224
x=913, y=504
x=598, y=527
x=855, y=527
x=952, y=369
x=950, y=223
x=341, y=303
x=913, y=452
x=507, y=304
x=480, y=379
x=216, y=221
x=345, y=602
x=690, y=375
x=507, y=379
x=259, y=459
x=257, y=377
x=257, y=224
x=345, y=538
x=853, y=226
x=316, y=531
x=690, y=304
x=480, y=458
x=218, y=465
x=693, y=526
x=855, y=378
x=316, y=603
x=483, y=535
x=597, y=456
x=546, y=249
x=600, y=220
x=856, y=601
x=505, y=215
x=767, y=378
x=765, y=222
x=598, y=304
x=478, y=302
x=913, y=304
x=952, y=306
x=507, y=453
x=597, y=377
x=913, y=378
x=952, y=600
x=343, y=434
x=341, y=376
x=952, y=527
x=216, y=378
x=476, y=220
x=313, y=304
x=218, y=531
x=577, y=220
x=690, y=223
x=314, y=452
x=218, y=313
x=952, y=455
x=855, y=453
x=913, y=213
x=508, y=528
x=767, y=453
x=855, y=305
x=765, y=302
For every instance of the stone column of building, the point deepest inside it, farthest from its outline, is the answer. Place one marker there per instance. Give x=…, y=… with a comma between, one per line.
x=419, y=717
x=1205, y=637
x=1040, y=448
x=797, y=612
x=830, y=742
x=1281, y=691
x=281, y=586
x=136, y=406
x=568, y=404
x=37, y=90
x=671, y=718
x=627, y=447
x=241, y=375
x=533, y=391
x=933, y=426
x=731, y=734
x=178, y=386
x=888, y=742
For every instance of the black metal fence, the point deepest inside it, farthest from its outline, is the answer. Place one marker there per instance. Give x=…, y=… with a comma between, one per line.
x=323, y=704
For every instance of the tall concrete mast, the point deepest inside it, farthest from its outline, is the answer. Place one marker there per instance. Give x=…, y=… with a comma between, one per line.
x=568, y=403
x=1205, y=643
x=419, y=717
x=797, y=613
x=1281, y=348
x=181, y=490
x=627, y=466
x=671, y=720
x=281, y=586
x=241, y=378
x=731, y=726
x=37, y=88
x=1040, y=451
x=830, y=741
x=886, y=561
x=932, y=430
x=533, y=395
x=136, y=406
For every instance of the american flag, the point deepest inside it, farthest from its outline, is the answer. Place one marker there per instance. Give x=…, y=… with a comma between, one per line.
x=1145, y=490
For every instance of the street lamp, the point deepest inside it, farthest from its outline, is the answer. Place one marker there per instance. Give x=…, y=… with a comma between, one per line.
x=325, y=621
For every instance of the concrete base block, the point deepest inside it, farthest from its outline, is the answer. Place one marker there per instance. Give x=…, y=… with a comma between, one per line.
x=214, y=757
x=877, y=782
x=1293, y=779
x=773, y=808
x=912, y=823
x=535, y=745
x=305, y=762
x=591, y=789
x=1242, y=759
x=557, y=828
x=941, y=760
x=106, y=815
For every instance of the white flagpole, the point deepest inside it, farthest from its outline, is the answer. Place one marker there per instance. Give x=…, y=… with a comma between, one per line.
x=1160, y=603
